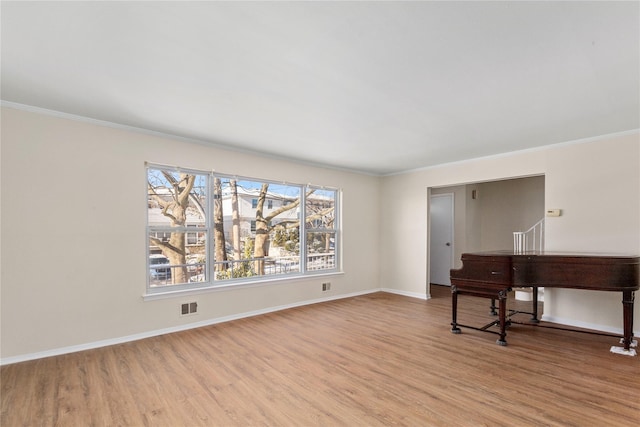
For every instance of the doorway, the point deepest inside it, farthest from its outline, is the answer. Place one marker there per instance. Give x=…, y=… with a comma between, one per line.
x=441, y=212
x=485, y=216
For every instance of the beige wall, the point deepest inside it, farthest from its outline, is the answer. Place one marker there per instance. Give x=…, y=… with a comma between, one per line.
x=597, y=186
x=506, y=206
x=73, y=235
x=596, y=183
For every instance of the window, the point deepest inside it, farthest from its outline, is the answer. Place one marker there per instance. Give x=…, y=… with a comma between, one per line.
x=207, y=229
x=177, y=204
x=321, y=228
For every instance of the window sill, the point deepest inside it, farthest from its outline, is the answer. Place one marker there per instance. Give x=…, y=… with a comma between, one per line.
x=178, y=293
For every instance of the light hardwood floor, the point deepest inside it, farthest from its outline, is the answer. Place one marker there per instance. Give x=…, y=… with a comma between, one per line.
x=372, y=360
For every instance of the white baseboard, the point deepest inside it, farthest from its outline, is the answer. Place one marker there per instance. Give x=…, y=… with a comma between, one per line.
x=583, y=325
x=157, y=332
x=407, y=294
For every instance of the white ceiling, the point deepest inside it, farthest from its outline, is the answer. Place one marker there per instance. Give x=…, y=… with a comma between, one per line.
x=375, y=87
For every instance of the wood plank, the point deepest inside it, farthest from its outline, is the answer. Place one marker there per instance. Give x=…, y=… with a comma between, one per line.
x=373, y=360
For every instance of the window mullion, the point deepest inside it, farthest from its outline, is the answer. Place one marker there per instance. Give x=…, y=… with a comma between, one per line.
x=303, y=230
x=210, y=256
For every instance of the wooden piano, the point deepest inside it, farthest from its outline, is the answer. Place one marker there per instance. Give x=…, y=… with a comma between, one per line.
x=494, y=274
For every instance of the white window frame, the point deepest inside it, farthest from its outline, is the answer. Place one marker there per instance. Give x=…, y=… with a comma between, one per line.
x=335, y=230
x=208, y=229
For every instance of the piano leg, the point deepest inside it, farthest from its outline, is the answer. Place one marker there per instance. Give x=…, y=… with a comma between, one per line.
x=502, y=309
x=454, y=310
x=534, y=312
x=627, y=340
x=493, y=307
x=627, y=307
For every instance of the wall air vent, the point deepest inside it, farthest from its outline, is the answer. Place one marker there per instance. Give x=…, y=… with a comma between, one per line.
x=188, y=308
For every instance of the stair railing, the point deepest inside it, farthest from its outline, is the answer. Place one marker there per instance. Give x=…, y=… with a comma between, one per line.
x=530, y=240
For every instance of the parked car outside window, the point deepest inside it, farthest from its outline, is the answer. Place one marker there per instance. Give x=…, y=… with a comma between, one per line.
x=159, y=267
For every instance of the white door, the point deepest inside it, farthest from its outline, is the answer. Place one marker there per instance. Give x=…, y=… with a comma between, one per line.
x=441, y=238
